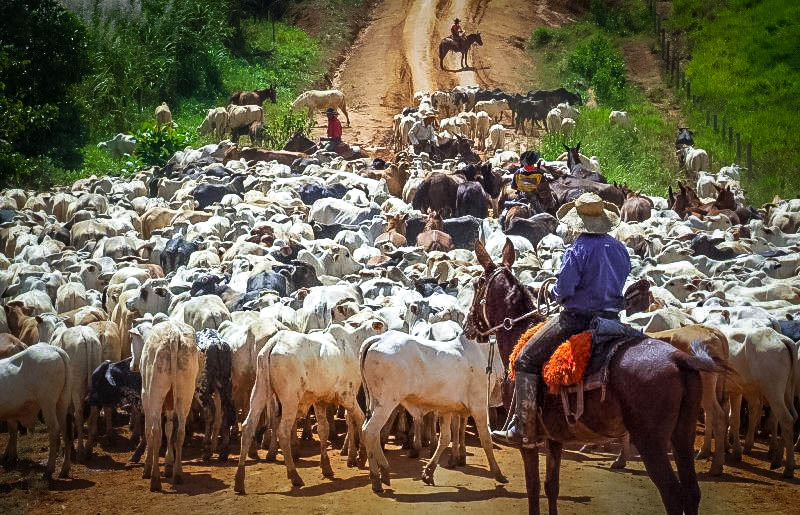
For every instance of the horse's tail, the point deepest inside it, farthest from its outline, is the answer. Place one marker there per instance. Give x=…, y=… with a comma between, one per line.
x=700, y=360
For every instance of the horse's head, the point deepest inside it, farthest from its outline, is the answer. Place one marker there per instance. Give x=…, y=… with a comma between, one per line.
x=271, y=94
x=478, y=38
x=499, y=298
x=573, y=155
x=725, y=198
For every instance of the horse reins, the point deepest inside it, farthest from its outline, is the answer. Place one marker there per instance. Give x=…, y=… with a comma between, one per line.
x=507, y=322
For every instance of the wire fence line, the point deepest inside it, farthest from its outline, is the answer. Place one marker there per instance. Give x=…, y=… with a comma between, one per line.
x=675, y=76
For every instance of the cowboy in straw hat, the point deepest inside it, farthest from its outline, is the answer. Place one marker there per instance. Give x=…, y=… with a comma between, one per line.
x=593, y=272
x=423, y=133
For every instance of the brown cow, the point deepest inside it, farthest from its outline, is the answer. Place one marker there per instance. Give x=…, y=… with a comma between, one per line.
x=433, y=236
x=395, y=231
x=438, y=192
x=636, y=208
x=10, y=345
x=22, y=323
x=716, y=344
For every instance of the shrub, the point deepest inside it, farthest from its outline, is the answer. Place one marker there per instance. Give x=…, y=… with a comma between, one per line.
x=155, y=146
x=625, y=18
x=598, y=64
x=541, y=37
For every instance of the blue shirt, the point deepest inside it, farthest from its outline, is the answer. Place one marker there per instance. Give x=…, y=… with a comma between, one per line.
x=592, y=275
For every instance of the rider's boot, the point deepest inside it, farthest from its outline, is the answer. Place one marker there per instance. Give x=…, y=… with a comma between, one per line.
x=522, y=427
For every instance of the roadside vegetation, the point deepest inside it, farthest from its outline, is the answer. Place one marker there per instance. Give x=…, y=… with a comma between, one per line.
x=586, y=56
x=744, y=64
x=76, y=76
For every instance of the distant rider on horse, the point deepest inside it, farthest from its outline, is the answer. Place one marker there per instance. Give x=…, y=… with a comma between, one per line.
x=528, y=176
x=593, y=272
x=457, y=32
x=423, y=133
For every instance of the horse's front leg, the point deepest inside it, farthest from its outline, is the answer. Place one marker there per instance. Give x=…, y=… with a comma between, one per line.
x=530, y=458
x=551, y=480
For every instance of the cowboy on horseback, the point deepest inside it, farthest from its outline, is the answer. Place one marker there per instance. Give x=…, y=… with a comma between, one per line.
x=528, y=176
x=457, y=32
x=593, y=272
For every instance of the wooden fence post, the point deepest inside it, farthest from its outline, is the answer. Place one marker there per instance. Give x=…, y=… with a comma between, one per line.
x=724, y=131
x=708, y=118
x=738, y=148
x=666, y=55
x=663, y=42
x=715, y=123
x=689, y=89
x=749, y=154
x=730, y=136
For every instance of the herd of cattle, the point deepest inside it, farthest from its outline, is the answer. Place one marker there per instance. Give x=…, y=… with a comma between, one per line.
x=234, y=291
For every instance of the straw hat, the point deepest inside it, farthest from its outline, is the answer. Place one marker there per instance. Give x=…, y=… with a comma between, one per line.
x=589, y=214
x=427, y=113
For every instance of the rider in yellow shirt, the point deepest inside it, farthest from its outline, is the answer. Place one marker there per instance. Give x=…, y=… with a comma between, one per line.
x=529, y=175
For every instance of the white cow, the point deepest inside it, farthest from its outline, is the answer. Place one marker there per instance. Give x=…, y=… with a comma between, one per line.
x=38, y=378
x=86, y=354
x=215, y=122
x=205, y=311
x=619, y=118
x=497, y=137
x=764, y=362
x=482, y=124
x=553, y=120
x=567, y=126
x=494, y=108
x=170, y=362
x=423, y=375
x=693, y=159
x=119, y=145
x=319, y=369
x=314, y=100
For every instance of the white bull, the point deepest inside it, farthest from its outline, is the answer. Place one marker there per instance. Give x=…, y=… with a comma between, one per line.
x=423, y=375
x=38, y=378
x=319, y=369
x=315, y=100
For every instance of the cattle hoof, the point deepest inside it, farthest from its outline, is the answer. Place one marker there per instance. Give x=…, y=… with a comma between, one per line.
x=362, y=459
x=351, y=461
x=462, y=461
x=413, y=453
x=238, y=483
x=167, y=470
x=270, y=457
x=427, y=478
x=452, y=462
x=618, y=465
x=64, y=473
x=155, y=484
x=327, y=473
x=500, y=478
x=775, y=465
x=177, y=479
x=48, y=476
x=253, y=455
x=788, y=473
x=703, y=454
x=715, y=470
x=385, y=477
x=146, y=473
x=737, y=457
x=222, y=458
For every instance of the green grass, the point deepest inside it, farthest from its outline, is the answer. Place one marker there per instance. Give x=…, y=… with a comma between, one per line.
x=749, y=72
x=586, y=54
x=291, y=63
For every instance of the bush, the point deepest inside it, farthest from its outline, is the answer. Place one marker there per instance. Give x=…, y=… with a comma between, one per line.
x=598, y=64
x=43, y=54
x=625, y=18
x=541, y=37
x=155, y=146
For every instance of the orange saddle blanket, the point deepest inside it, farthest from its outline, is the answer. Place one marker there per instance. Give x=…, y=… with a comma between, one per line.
x=567, y=364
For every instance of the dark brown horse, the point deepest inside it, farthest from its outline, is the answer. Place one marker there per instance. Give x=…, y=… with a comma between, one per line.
x=451, y=45
x=653, y=393
x=255, y=97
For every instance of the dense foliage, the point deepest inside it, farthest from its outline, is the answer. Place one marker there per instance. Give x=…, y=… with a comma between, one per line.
x=42, y=55
x=745, y=65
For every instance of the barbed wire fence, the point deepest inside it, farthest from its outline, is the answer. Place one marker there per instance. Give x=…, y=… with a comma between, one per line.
x=675, y=76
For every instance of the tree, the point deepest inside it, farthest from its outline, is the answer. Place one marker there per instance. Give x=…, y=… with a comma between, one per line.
x=43, y=54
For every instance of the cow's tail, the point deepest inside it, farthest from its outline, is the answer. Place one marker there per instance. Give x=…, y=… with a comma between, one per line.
x=362, y=358
x=700, y=360
x=175, y=348
x=65, y=398
x=266, y=384
x=789, y=392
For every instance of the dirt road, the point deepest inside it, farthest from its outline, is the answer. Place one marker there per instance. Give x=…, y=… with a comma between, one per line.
x=108, y=485
x=398, y=54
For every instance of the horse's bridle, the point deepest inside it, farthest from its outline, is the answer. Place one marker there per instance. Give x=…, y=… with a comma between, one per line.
x=507, y=323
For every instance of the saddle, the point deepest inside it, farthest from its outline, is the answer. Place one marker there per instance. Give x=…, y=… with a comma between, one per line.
x=581, y=363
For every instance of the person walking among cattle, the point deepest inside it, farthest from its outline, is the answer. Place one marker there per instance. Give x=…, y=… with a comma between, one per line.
x=334, y=130
x=589, y=285
x=423, y=133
